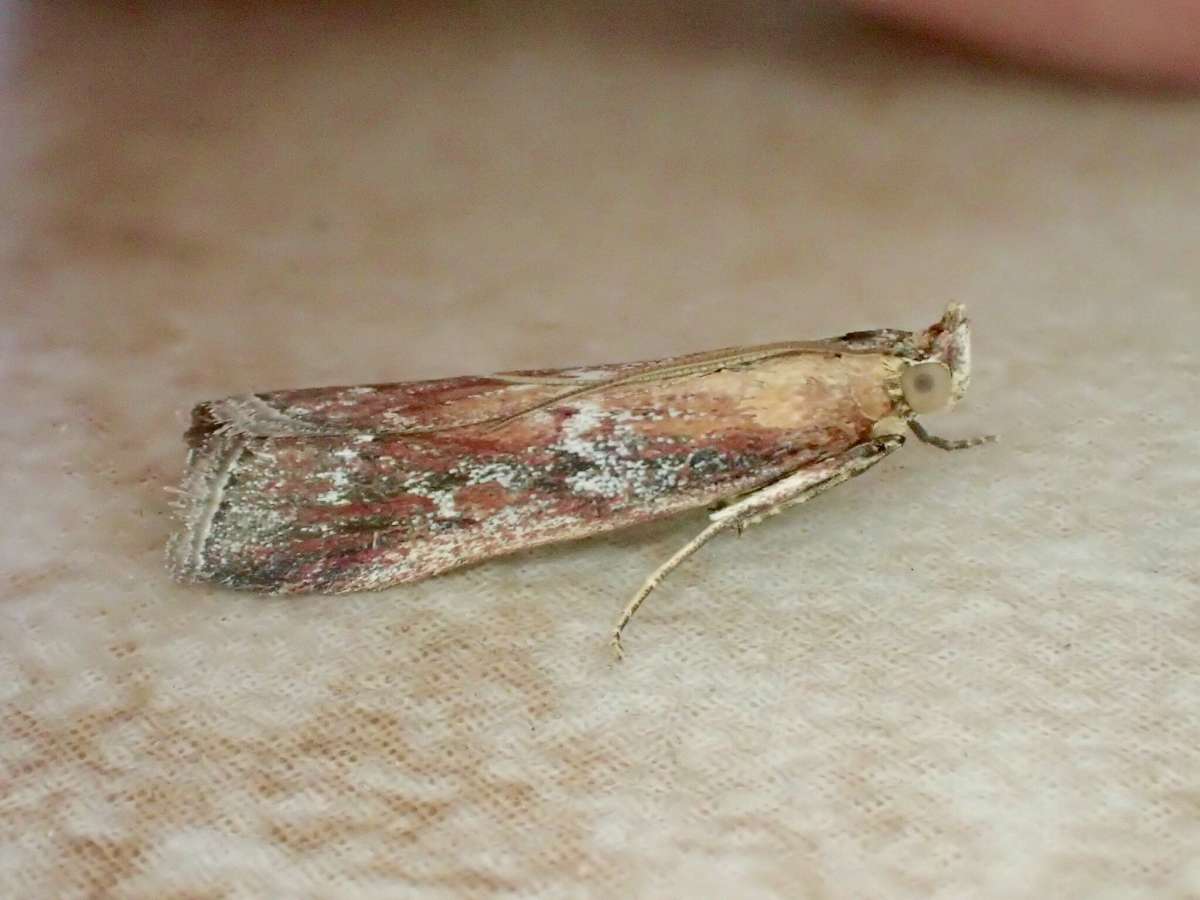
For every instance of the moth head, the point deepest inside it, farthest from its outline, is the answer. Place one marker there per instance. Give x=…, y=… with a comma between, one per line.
x=939, y=378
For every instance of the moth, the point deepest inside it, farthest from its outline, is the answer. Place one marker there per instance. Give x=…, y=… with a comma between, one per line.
x=359, y=488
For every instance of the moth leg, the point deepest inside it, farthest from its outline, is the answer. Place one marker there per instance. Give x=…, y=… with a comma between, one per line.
x=945, y=443
x=794, y=488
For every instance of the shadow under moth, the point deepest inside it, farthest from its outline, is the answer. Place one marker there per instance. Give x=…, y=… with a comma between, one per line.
x=360, y=488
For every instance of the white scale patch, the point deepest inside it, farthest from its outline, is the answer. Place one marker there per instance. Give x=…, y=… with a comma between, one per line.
x=336, y=495
x=499, y=473
x=443, y=501
x=617, y=470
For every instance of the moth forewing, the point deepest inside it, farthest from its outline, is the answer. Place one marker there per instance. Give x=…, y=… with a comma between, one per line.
x=363, y=487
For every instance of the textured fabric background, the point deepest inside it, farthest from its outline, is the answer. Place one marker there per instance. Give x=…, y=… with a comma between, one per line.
x=963, y=675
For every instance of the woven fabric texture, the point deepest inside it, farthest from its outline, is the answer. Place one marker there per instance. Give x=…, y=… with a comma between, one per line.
x=962, y=675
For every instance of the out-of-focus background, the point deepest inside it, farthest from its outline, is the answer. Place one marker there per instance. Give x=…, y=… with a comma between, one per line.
x=962, y=675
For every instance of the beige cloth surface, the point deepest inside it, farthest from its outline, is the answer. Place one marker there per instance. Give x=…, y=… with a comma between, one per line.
x=963, y=675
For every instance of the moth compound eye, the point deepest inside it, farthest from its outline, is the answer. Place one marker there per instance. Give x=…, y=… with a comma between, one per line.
x=926, y=387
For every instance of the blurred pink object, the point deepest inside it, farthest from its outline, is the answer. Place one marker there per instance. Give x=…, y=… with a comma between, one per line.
x=1151, y=41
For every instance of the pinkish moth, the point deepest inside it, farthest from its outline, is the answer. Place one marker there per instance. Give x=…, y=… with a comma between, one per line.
x=360, y=488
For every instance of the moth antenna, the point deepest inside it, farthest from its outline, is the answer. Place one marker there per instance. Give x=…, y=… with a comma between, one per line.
x=656, y=577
